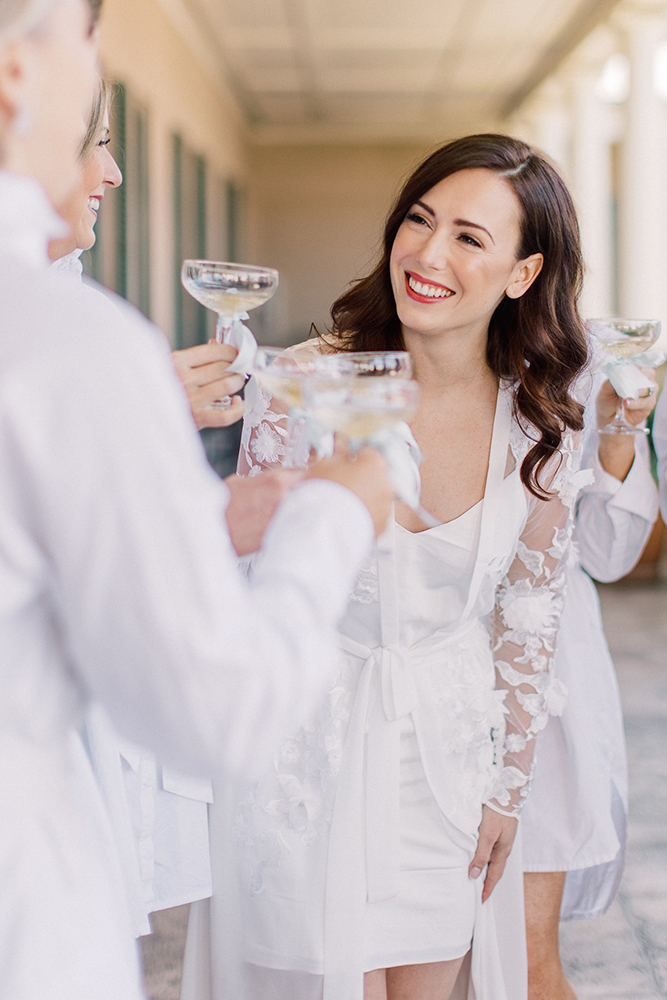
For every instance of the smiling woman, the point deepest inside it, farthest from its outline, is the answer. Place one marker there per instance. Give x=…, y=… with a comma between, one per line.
x=361, y=849
x=99, y=171
x=535, y=335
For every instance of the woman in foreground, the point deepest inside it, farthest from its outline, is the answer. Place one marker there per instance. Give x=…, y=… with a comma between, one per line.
x=104, y=496
x=363, y=852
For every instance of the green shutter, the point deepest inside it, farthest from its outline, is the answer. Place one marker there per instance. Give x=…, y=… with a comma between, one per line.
x=143, y=210
x=232, y=220
x=120, y=124
x=202, y=312
x=178, y=239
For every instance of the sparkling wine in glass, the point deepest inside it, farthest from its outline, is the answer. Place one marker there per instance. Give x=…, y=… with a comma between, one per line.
x=623, y=340
x=229, y=290
x=359, y=407
x=283, y=373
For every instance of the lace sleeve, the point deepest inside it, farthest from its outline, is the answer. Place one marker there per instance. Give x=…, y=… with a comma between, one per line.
x=264, y=434
x=268, y=437
x=524, y=626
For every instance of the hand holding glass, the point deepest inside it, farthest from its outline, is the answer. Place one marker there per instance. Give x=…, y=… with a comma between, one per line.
x=623, y=339
x=229, y=290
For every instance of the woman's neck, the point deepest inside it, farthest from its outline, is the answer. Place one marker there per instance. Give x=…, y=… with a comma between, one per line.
x=448, y=360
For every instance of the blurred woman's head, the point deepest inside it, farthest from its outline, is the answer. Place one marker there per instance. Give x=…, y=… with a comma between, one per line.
x=99, y=171
x=48, y=75
x=489, y=227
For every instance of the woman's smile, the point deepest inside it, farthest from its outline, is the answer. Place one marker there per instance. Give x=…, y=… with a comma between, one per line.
x=422, y=290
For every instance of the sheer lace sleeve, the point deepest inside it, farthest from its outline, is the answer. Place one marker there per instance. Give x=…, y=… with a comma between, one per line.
x=265, y=432
x=524, y=626
x=267, y=435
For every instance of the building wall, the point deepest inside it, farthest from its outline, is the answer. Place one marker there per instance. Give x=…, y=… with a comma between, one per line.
x=167, y=68
x=317, y=215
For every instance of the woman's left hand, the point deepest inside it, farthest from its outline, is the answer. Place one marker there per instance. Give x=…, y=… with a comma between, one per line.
x=636, y=410
x=494, y=844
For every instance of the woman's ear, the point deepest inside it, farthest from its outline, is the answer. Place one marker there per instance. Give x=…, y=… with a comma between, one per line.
x=524, y=275
x=15, y=98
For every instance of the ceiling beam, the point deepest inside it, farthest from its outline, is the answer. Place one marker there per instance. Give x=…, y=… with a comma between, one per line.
x=587, y=17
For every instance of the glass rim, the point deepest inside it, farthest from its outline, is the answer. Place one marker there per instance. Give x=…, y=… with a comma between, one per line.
x=229, y=265
x=622, y=319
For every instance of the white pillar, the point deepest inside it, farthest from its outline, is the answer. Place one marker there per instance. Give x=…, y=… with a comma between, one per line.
x=553, y=126
x=643, y=197
x=591, y=177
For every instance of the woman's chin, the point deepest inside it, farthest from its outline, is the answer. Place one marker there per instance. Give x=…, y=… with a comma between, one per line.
x=86, y=240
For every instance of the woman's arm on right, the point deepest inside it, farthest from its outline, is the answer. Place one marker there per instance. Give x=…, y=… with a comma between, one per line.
x=615, y=513
x=660, y=442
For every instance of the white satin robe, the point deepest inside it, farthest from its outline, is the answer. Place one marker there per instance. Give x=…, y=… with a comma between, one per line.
x=159, y=815
x=575, y=819
x=118, y=583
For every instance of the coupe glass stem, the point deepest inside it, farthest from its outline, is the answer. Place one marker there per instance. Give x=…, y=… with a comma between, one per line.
x=620, y=424
x=223, y=328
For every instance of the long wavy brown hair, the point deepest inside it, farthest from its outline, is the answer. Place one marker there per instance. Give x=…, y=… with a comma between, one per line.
x=537, y=343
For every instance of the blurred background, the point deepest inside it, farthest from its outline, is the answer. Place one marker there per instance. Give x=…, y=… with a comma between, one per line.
x=276, y=132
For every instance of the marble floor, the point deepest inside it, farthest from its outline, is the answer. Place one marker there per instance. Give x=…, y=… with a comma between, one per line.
x=622, y=956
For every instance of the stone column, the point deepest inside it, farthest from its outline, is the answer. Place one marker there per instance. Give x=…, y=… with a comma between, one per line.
x=643, y=193
x=591, y=177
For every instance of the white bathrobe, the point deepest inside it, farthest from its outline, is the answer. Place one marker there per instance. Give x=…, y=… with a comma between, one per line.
x=118, y=583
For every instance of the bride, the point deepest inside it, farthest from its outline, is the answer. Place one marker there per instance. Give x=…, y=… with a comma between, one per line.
x=368, y=853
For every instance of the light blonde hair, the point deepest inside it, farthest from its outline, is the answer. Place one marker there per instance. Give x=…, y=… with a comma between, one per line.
x=101, y=105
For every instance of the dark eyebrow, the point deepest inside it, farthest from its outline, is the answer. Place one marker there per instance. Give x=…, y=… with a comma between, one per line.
x=457, y=222
x=474, y=225
x=427, y=208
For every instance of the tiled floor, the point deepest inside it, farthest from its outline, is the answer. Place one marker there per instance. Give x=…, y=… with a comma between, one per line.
x=622, y=956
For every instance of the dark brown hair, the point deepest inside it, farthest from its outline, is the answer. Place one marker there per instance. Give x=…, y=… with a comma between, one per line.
x=537, y=342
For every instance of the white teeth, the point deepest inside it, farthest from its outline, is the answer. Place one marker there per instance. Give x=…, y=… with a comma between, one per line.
x=431, y=291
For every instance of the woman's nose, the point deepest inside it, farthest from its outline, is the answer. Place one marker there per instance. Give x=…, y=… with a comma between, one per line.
x=112, y=174
x=433, y=252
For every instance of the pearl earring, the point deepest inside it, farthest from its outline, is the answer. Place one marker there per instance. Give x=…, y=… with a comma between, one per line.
x=23, y=122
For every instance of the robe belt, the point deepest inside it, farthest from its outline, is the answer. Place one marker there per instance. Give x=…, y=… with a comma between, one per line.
x=388, y=677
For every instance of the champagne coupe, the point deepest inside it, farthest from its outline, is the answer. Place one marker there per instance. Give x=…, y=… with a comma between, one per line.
x=622, y=340
x=389, y=364
x=229, y=290
x=359, y=407
x=283, y=375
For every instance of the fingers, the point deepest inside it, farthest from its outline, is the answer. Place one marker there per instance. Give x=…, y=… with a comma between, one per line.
x=483, y=853
x=208, y=374
x=204, y=354
x=205, y=394
x=213, y=416
x=496, y=836
x=494, y=872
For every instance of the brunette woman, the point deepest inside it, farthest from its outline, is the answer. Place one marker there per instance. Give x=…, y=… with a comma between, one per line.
x=369, y=853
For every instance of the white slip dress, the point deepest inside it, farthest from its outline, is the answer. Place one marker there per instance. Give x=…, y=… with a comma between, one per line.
x=351, y=851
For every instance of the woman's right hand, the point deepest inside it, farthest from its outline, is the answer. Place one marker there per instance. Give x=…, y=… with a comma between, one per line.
x=203, y=371
x=367, y=475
